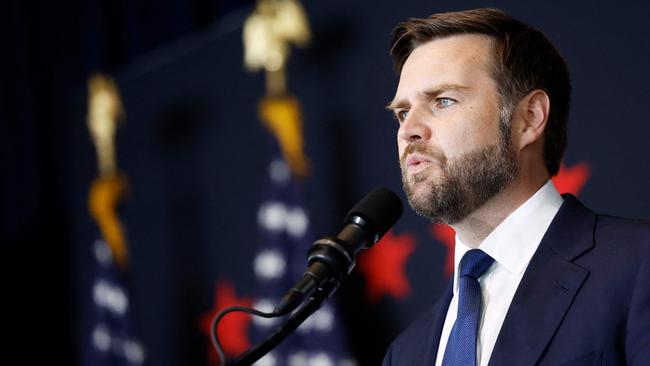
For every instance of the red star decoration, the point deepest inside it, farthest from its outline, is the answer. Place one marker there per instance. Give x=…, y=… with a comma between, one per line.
x=571, y=180
x=384, y=267
x=447, y=236
x=233, y=328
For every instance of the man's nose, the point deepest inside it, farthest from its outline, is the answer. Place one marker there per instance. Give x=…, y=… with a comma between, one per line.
x=414, y=127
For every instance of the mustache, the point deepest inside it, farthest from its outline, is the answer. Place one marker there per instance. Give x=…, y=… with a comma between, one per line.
x=434, y=154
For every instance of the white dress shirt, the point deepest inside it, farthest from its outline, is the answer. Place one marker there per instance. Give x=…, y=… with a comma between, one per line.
x=512, y=244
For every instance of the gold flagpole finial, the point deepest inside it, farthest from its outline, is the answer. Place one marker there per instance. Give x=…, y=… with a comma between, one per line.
x=104, y=112
x=268, y=32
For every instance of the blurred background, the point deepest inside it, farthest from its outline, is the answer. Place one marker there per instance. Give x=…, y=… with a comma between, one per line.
x=210, y=204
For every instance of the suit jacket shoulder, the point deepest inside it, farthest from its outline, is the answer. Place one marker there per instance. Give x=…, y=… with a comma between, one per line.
x=632, y=233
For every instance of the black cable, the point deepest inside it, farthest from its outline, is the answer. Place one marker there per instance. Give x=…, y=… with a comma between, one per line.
x=312, y=304
x=252, y=355
x=215, y=337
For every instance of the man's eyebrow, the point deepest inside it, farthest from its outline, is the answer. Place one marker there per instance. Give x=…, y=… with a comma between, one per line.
x=397, y=104
x=429, y=94
x=432, y=93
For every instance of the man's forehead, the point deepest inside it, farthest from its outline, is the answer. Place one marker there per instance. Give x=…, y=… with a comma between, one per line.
x=453, y=60
x=472, y=47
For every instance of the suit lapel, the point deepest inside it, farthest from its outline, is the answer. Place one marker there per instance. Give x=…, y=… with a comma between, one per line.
x=548, y=287
x=439, y=315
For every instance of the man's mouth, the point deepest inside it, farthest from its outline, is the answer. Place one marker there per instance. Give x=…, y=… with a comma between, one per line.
x=416, y=163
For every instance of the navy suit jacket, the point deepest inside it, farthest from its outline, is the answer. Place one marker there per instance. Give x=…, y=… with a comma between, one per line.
x=583, y=300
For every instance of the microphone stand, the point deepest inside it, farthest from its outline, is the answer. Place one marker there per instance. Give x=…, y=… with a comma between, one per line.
x=318, y=297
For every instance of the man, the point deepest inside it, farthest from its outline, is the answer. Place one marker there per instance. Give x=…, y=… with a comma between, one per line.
x=482, y=106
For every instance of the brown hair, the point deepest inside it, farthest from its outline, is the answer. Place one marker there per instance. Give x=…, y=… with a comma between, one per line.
x=524, y=60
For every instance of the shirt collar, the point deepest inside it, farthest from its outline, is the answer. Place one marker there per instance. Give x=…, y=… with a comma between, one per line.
x=514, y=241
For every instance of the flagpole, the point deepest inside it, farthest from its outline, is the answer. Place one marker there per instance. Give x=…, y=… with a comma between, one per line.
x=267, y=35
x=113, y=337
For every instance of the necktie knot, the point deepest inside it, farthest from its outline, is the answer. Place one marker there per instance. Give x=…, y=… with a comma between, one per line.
x=474, y=263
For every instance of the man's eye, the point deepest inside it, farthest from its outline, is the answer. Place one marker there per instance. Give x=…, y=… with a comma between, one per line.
x=401, y=115
x=444, y=102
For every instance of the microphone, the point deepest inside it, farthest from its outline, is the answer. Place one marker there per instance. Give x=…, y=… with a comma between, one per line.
x=332, y=258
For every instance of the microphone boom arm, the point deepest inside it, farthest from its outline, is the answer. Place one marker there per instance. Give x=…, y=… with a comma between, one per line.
x=318, y=297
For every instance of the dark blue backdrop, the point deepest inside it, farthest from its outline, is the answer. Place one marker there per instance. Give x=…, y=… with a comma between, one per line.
x=194, y=150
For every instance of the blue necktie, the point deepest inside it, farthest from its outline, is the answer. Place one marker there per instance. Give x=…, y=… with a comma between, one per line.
x=461, y=346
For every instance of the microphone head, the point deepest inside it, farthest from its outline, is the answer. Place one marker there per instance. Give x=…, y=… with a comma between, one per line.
x=380, y=209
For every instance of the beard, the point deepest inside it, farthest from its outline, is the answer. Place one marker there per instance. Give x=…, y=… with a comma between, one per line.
x=464, y=183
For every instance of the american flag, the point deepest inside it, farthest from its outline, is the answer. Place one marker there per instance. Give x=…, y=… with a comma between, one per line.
x=111, y=332
x=279, y=262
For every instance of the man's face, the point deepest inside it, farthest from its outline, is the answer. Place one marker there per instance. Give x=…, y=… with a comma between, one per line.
x=454, y=139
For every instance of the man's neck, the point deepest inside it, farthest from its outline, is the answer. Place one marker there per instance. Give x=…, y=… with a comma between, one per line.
x=479, y=224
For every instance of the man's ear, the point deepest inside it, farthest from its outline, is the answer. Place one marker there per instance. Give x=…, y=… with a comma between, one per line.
x=534, y=108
